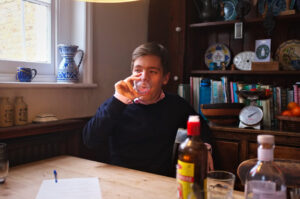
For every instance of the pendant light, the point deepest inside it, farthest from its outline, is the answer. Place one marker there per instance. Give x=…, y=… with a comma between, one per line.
x=107, y=1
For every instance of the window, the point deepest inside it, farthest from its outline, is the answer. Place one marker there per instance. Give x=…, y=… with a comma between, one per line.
x=30, y=31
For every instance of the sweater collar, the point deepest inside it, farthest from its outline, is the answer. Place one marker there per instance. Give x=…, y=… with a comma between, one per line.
x=140, y=101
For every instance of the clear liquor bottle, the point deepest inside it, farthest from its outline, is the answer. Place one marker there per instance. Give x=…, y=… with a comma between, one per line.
x=265, y=180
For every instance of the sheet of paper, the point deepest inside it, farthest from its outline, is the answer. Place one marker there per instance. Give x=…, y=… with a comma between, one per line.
x=73, y=188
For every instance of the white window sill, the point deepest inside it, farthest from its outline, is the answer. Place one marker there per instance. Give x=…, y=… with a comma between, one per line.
x=46, y=85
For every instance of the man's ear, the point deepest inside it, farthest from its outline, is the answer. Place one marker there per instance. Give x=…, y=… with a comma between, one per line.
x=166, y=78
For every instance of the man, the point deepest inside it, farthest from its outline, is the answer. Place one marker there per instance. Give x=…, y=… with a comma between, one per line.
x=141, y=127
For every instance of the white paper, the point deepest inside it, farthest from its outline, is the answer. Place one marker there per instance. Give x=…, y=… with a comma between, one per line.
x=73, y=188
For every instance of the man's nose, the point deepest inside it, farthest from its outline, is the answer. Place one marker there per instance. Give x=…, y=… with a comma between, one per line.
x=144, y=75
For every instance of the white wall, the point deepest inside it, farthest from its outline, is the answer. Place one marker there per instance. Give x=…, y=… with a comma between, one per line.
x=118, y=29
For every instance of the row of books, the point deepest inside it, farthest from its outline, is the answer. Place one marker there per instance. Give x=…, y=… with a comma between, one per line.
x=208, y=91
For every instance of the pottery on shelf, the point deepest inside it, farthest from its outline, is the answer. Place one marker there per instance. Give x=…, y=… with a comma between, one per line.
x=68, y=70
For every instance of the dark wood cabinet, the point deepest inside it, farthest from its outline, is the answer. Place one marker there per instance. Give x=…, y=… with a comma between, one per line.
x=175, y=24
x=34, y=142
x=231, y=146
x=167, y=25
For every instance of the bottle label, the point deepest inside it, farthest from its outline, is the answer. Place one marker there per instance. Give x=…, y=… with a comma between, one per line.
x=265, y=154
x=263, y=190
x=185, y=180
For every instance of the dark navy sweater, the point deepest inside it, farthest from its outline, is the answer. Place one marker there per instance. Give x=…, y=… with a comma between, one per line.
x=140, y=136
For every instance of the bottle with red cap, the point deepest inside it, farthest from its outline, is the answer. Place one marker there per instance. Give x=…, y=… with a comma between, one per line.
x=192, y=163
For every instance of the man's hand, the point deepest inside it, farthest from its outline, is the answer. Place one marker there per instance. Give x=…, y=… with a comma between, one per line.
x=125, y=87
x=210, y=162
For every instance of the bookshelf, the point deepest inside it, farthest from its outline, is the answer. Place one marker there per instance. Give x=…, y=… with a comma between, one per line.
x=282, y=78
x=175, y=24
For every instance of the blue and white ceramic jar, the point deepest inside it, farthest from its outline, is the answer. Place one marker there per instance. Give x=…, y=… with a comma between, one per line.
x=68, y=70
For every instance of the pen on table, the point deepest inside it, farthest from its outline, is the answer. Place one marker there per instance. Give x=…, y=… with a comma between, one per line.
x=55, y=176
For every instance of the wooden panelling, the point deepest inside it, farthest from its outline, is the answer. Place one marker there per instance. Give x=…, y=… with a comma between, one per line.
x=40, y=141
x=234, y=145
x=226, y=155
x=281, y=152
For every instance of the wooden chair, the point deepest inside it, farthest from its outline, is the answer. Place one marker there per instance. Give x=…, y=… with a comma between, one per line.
x=289, y=168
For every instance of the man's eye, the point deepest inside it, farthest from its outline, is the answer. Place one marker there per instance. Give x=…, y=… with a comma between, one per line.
x=153, y=72
x=137, y=71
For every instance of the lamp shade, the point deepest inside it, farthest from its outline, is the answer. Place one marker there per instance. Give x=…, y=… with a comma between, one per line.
x=107, y=1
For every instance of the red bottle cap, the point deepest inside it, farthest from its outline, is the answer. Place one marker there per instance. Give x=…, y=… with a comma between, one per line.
x=193, y=125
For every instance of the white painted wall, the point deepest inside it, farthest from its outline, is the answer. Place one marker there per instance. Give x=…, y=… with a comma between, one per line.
x=118, y=29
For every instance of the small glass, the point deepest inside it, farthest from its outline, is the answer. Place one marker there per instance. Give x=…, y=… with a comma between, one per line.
x=220, y=185
x=4, y=165
x=295, y=193
x=142, y=87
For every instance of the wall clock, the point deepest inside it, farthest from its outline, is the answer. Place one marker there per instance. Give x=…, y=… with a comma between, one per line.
x=243, y=60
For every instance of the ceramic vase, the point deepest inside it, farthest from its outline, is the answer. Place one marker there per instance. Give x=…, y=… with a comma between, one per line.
x=208, y=10
x=6, y=112
x=20, y=111
x=68, y=70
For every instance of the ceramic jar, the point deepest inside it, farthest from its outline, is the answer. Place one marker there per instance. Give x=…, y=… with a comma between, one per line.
x=6, y=112
x=20, y=111
x=68, y=70
x=208, y=10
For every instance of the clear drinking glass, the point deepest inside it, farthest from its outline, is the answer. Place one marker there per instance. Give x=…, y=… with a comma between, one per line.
x=142, y=87
x=220, y=185
x=4, y=165
x=295, y=193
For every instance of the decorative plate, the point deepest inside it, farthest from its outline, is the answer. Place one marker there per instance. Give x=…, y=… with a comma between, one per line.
x=288, y=55
x=217, y=53
x=229, y=9
x=276, y=5
x=243, y=60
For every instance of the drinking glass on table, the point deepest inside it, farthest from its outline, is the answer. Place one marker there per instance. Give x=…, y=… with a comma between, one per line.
x=220, y=185
x=295, y=193
x=4, y=165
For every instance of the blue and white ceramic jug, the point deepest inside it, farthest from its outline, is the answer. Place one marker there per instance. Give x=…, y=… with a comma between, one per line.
x=68, y=71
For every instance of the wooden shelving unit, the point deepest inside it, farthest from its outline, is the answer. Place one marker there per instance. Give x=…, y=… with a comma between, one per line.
x=238, y=72
x=294, y=17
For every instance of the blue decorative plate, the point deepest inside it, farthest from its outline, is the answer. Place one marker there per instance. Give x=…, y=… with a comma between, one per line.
x=288, y=55
x=229, y=9
x=276, y=5
x=217, y=53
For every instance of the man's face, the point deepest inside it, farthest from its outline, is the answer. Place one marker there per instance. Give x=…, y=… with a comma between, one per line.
x=150, y=69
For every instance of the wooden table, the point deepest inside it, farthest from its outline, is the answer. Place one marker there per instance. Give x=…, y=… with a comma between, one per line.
x=116, y=182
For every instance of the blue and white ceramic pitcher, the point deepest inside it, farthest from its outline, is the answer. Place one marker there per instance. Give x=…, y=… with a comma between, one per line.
x=68, y=71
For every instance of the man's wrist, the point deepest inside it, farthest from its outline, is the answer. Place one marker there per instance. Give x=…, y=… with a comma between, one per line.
x=122, y=98
x=209, y=148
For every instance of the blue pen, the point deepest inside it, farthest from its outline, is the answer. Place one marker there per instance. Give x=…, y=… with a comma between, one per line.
x=55, y=175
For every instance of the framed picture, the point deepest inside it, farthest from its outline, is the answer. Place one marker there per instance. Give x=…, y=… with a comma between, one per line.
x=262, y=50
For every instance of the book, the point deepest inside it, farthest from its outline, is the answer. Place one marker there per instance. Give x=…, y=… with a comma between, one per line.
x=295, y=88
x=235, y=95
x=266, y=105
x=184, y=91
x=231, y=92
x=216, y=92
x=225, y=89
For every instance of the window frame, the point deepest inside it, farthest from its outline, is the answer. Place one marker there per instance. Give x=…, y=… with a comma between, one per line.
x=59, y=35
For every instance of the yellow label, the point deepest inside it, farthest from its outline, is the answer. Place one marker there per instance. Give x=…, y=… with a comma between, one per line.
x=185, y=180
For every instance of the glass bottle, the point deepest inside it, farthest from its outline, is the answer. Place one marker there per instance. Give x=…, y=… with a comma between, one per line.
x=192, y=162
x=265, y=180
x=6, y=112
x=205, y=91
x=20, y=111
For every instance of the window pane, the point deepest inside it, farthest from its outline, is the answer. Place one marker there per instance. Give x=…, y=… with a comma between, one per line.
x=24, y=31
x=46, y=1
